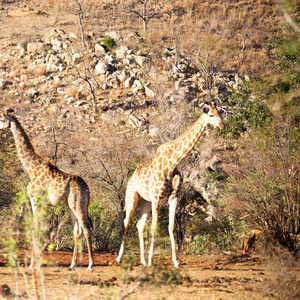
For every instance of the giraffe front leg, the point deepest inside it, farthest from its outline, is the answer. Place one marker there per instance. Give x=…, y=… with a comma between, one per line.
x=33, y=202
x=173, y=201
x=172, y=210
x=145, y=211
x=155, y=210
x=131, y=200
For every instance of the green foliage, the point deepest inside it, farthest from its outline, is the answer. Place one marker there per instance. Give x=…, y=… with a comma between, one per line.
x=9, y=174
x=105, y=227
x=287, y=49
x=158, y=275
x=200, y=244
x=268, y=192
x=221, y=233
x=36, y=226
x=249, y=114
x=108, y=43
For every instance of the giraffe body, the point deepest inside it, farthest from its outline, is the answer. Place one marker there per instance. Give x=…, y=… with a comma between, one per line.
x=158, y=181
x=61, y=188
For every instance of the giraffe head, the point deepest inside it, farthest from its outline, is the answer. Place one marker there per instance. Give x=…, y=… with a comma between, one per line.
x=5, y=123
x=212, y=115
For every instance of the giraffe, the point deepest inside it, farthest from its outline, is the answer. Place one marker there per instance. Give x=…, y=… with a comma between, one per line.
x=157, y=181
x=60, y=188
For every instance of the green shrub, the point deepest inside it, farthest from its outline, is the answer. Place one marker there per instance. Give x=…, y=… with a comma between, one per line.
x=269, y=188
x=200, y=243
x=222, y=233
x=108, y=43
x=105, y=227
x=250, y=113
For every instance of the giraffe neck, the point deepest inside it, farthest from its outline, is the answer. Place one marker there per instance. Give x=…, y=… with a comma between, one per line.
x=179, y=148
x=28, y=155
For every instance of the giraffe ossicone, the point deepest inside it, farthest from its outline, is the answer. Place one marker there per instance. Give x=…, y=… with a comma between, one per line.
x=158, y=181
x=60, y=187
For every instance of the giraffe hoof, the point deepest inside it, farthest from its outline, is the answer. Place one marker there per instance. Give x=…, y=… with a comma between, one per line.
x=118, y=260
x=71, y=269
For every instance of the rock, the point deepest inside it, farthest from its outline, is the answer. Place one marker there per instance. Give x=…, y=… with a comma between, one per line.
x=32, y=93
x=149, y=92
x=137, y=87
x=129, y=61
x=66, y=57
x=129, y=82
x=73, y=35
x=51, y=68
x=141, y=60
x=22, y=51
x=99, y=49
x=154, y=132
x=110, y=58
x=134, y=121
x=57, y=43
x=101, y=67
x=4, y=84
x=70, y=100
x=54, y=59
x=121, y=52
x=35, y=47
x=76, y=58
x=113, y=34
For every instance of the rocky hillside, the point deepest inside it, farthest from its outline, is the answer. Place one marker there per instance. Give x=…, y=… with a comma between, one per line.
x=63, y=85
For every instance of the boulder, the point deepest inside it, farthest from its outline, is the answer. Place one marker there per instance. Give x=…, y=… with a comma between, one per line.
x=149, y=92
x=134, y=121
x=129, y=82
x=37, y=48
x=141, y=60
x=101, y=67
x=99, y=49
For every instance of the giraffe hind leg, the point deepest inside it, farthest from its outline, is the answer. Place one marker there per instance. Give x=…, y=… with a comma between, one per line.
x=81, y=226
x=77, y=233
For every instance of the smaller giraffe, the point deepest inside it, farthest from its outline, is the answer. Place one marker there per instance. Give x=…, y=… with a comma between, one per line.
x=157, y=181
x=60, y=188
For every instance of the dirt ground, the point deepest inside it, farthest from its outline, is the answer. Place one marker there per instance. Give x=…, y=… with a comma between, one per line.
x=226, y=276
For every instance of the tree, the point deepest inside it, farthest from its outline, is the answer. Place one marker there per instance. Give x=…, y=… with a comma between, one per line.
x=145, y=16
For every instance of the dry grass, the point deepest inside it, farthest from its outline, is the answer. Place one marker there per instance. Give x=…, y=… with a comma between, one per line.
x=283, y=284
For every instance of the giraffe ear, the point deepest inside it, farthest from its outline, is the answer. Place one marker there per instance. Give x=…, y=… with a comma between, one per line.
x=205, y=109
x=10, y=111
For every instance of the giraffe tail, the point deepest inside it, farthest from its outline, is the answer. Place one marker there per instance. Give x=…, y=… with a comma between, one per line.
x=90, y=223
x=122, y=216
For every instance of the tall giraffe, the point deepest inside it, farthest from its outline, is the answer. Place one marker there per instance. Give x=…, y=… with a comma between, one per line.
x=61, y=188
x=158, y=180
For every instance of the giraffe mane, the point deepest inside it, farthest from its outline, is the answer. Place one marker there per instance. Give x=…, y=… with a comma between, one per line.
x=28, y=140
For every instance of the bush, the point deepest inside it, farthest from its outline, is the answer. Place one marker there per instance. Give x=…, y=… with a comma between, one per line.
x=108, y=43
x=10, y=169
x=250, y=113
x=222, y=233
x=105, y=228
x=266, y=187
